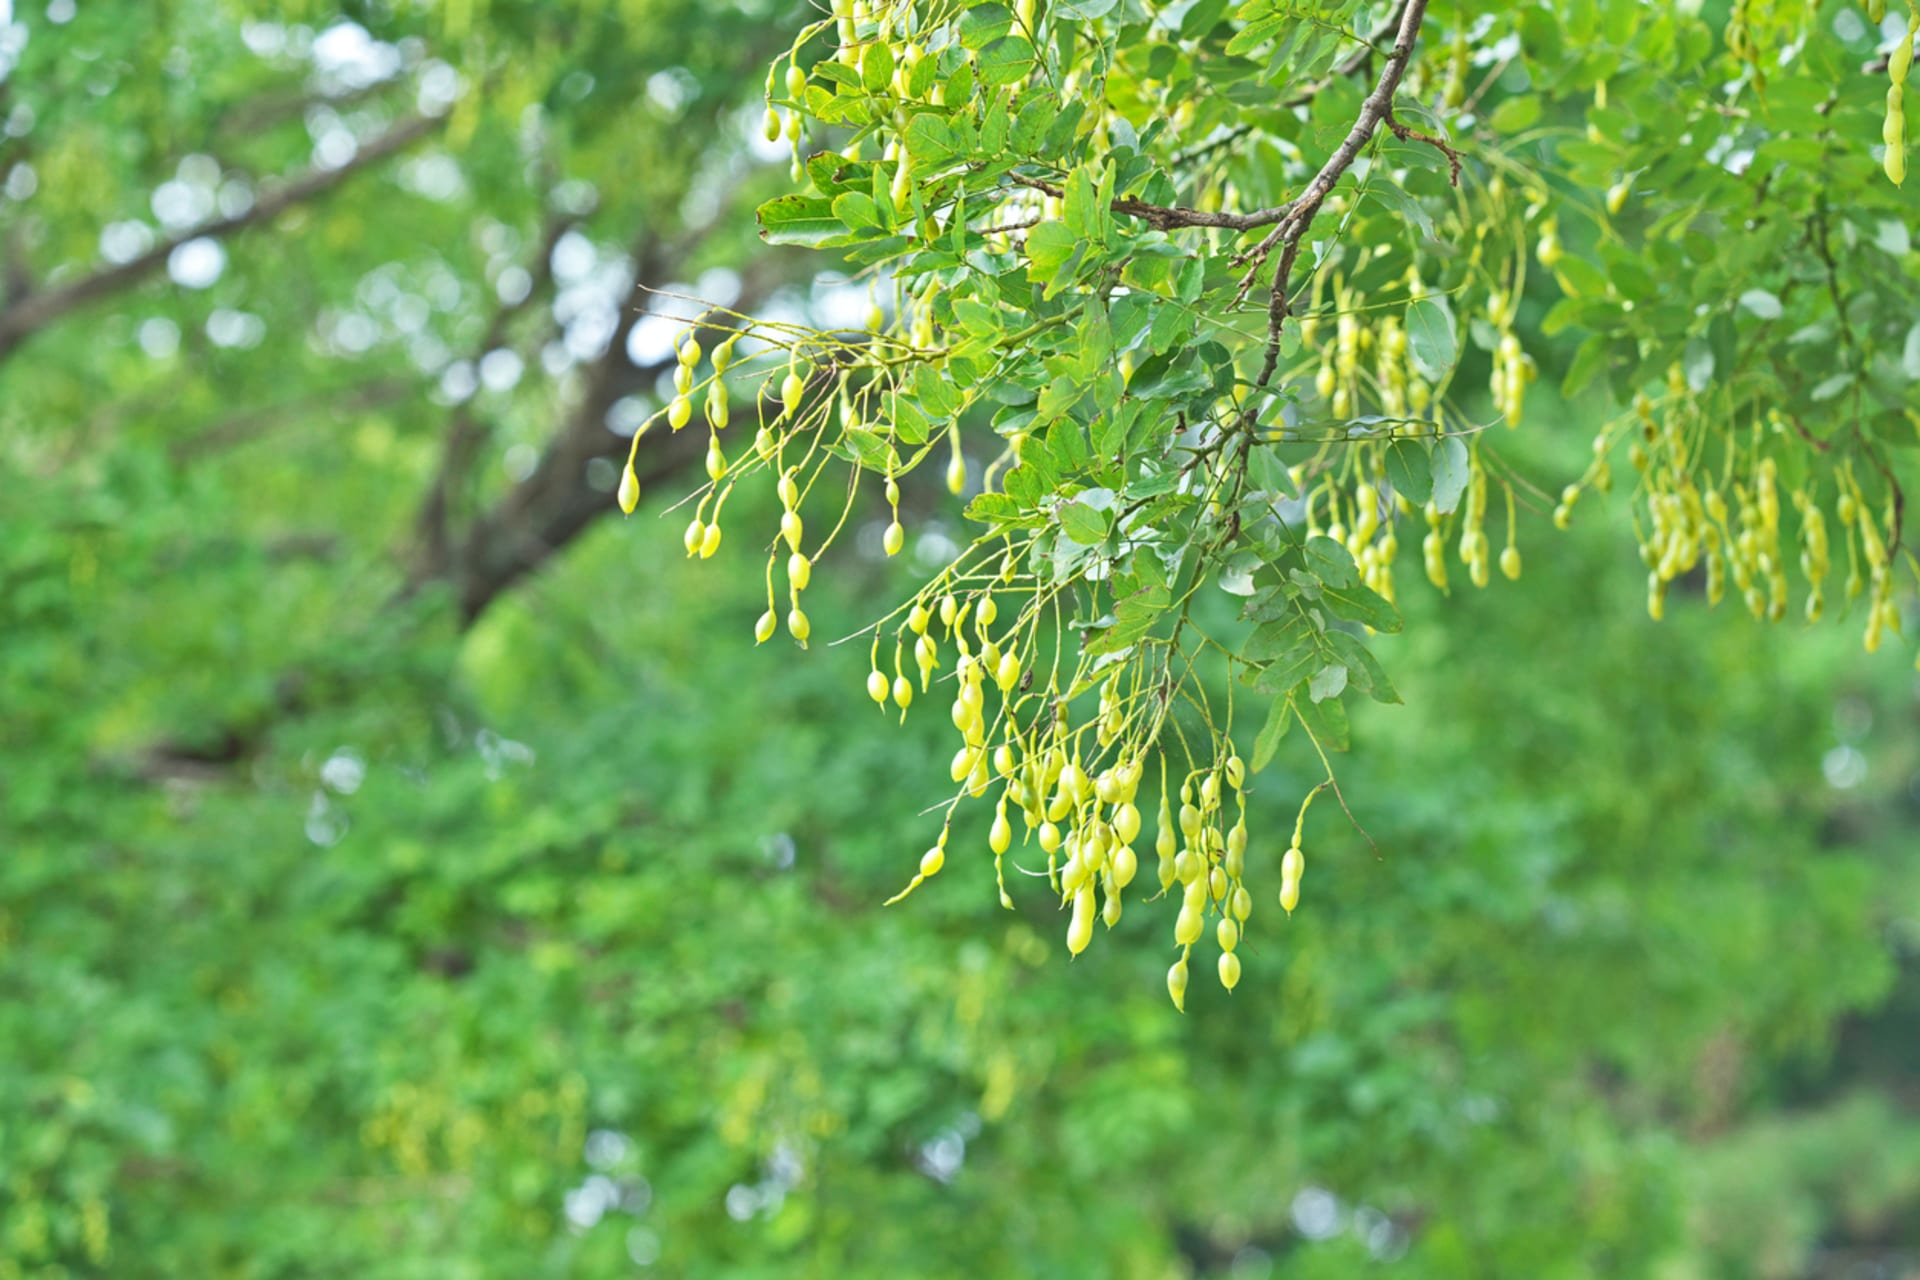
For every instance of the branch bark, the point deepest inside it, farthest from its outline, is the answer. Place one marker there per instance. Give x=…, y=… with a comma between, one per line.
x=1292, y=228
x=1377, y=108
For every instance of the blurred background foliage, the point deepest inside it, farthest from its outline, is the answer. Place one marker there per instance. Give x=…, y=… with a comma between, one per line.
x=405, y=872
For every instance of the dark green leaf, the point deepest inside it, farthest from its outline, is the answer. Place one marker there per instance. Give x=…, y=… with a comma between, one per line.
x=1431, y=340
x=1410, y=469
x=1084, y=524
x=801, y=220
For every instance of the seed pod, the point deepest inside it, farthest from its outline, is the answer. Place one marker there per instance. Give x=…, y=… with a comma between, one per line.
x=799, y=571
x=1229, y=970
x=902, y=692
x=771, y=128
x=1188, y=925
x=894, y=539
x=1227, y=933
x=790, y=529
x=1510, y=562
x=1236, y=772
x=695, y=535
x=1177, y=984
x=902, y=183
x=716, y=462
x=1072, y=781
x=1188, y=867
x=798, y=625
x=679, y=412
x=932, y=860
x=793, y=389
x=710, y=541
x=796, y=84
x=1126, y=865
x=926, y=657
x=629, y=490
x=763, y=629
x=877, y=686
x=1000, y=835
x=1080, y=928
x=957, y=473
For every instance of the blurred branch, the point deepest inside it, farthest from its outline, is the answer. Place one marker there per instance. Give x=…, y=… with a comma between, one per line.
x=554, y=505
x=250, y=117
x=239, y=428
x=465, y=432
x=524, y=528
x=36, y=310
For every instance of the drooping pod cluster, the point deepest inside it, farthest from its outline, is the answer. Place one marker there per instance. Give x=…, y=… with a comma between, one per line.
x=1064, y=758
x=1364, y=518
x=1347, y=382
x=1513, y=368
x=1209, y=866
x=1729, y=519
x=836, y=402
x=1893, y=132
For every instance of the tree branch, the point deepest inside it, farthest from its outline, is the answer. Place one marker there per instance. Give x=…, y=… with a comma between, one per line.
x=1289, y=221
x=1293, y=227
x=1347, y=66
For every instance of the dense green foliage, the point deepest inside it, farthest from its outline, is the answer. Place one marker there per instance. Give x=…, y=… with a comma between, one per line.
x=405, y=871
x=1218, y=287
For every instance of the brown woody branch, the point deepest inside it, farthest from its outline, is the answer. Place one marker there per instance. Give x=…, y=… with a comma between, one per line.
x=1291, y=220
x=1406, y=134
x=1349, y=65
x=1292, y=228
